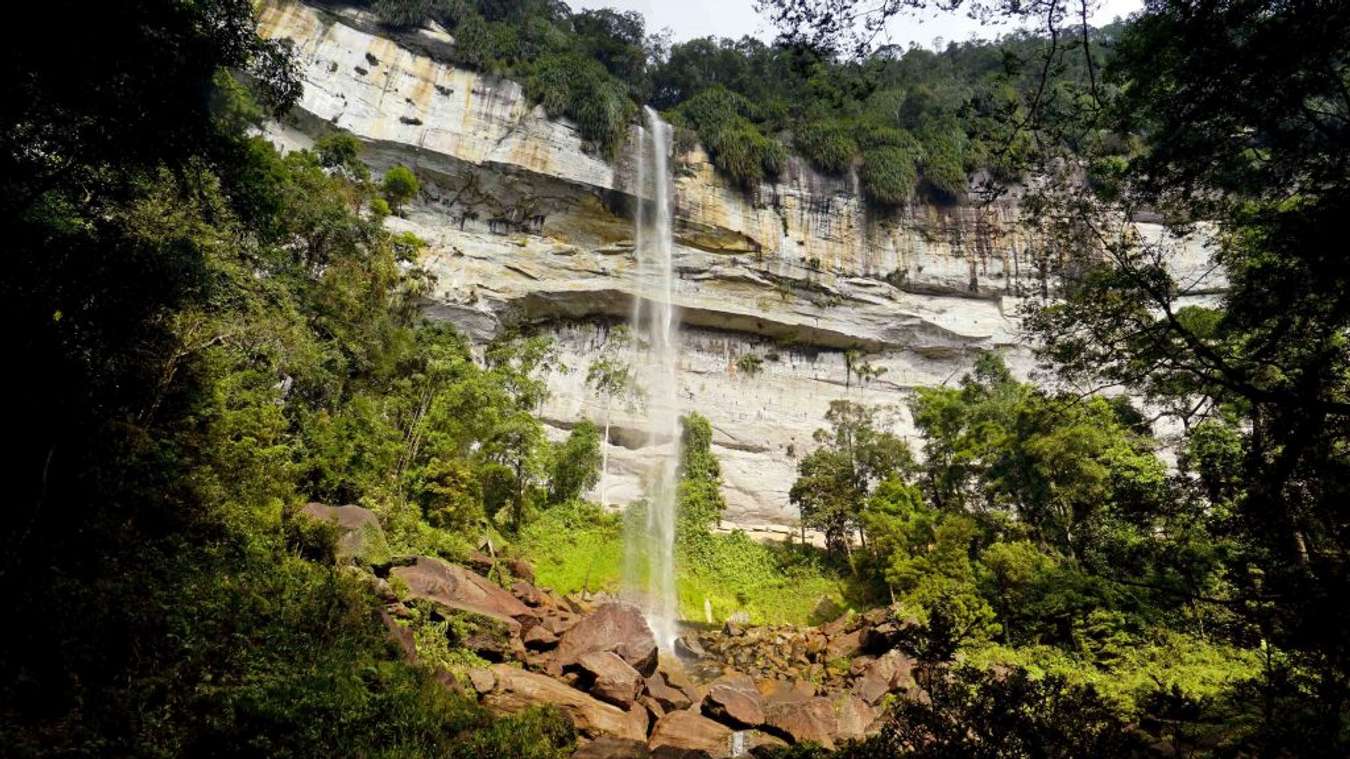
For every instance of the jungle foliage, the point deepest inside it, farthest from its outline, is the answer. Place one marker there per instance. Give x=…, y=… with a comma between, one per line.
x=212, y=334
x=913, y=122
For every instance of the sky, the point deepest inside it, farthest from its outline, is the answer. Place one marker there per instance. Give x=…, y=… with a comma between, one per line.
x=688, y=19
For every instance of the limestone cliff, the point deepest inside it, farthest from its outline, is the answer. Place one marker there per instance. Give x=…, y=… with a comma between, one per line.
x=527, y=226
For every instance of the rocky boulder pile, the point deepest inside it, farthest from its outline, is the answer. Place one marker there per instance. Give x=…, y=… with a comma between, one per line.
x=720, y=693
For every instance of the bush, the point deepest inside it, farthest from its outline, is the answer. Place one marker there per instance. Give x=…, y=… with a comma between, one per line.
x=400, y=185
x=889, y=174
x=827, y=145
x=725, y=126
x=944, y=169
x=580, y=89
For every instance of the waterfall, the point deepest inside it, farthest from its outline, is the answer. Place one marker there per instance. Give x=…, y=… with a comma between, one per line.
x=650, y=550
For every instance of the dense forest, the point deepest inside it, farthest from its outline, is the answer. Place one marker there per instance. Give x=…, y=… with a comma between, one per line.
x=210, y=333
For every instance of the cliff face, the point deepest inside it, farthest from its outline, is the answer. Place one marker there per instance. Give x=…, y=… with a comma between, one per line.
x=527, y=227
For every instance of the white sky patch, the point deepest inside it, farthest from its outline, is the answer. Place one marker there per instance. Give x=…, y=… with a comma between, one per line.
x=688, y=19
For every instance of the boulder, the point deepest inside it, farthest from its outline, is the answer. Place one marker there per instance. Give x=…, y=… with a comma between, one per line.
x=401, y=635
x=521, y=569
x=609, y=678
x=734, y=700
x=559, y=621
x=612, y=747
x=517, y=690
x=538, y=638
x=892, y=671
x=670, y=697
x=687, y=646
x=811, y=720
x=844, y=646
x=483, y=680
x=455, y=587
x=786, y=691
x=853, y=716
x=615, y=627
x=685, y=731
x=528, y=594
x=359, y=535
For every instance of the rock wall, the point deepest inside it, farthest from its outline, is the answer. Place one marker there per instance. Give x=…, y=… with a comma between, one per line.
x=527, y=225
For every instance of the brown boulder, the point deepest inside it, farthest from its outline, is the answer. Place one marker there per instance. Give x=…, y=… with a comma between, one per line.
x=844, y=645
x=401, y=635
x=538, y=638
x=455, y=587
x=611, y=747
x=359, y=535
x=614, y=627
x=482, y=680
x=559, y=621
x=854, y=717
x=528, y=594
x=685, y=731
x=786, y=691
x=517, y=690
x=811, y=720
x=890, y=672
x=609, y=678
x=668, y=696
x=522, y=569
x=734, y=700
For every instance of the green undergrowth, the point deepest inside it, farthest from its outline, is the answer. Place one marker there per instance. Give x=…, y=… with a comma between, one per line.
x=577, y=547
x=1160, y=661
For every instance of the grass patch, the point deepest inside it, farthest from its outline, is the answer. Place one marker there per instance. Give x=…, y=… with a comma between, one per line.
x=576, y=546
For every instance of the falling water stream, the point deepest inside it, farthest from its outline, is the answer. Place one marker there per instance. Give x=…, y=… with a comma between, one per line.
x=650, y=575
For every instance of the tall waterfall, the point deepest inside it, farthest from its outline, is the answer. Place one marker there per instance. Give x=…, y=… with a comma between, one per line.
x=650, y=571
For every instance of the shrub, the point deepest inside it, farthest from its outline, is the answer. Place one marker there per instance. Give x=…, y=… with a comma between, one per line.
x=582, y=90
x=827, y=145
x=944, y=169
x=400, y=185
x=889, y=174
x=725, y=126
x=749, y=364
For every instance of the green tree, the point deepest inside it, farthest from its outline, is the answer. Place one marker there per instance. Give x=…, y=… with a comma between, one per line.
x=400, y=185
x=834, y=480
x=576, y=464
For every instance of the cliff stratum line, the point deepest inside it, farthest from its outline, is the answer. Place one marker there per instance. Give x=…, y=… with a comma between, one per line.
x=526, y=227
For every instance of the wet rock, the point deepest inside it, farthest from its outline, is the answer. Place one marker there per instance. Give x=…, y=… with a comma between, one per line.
x=616, y=627
x=686, y=731
x=609, y=678
x=734, y=700
x=688, y=647
x=517, y=690
x=811, y=720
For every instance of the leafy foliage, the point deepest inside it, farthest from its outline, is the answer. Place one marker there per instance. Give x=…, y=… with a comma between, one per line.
x=216, y=333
